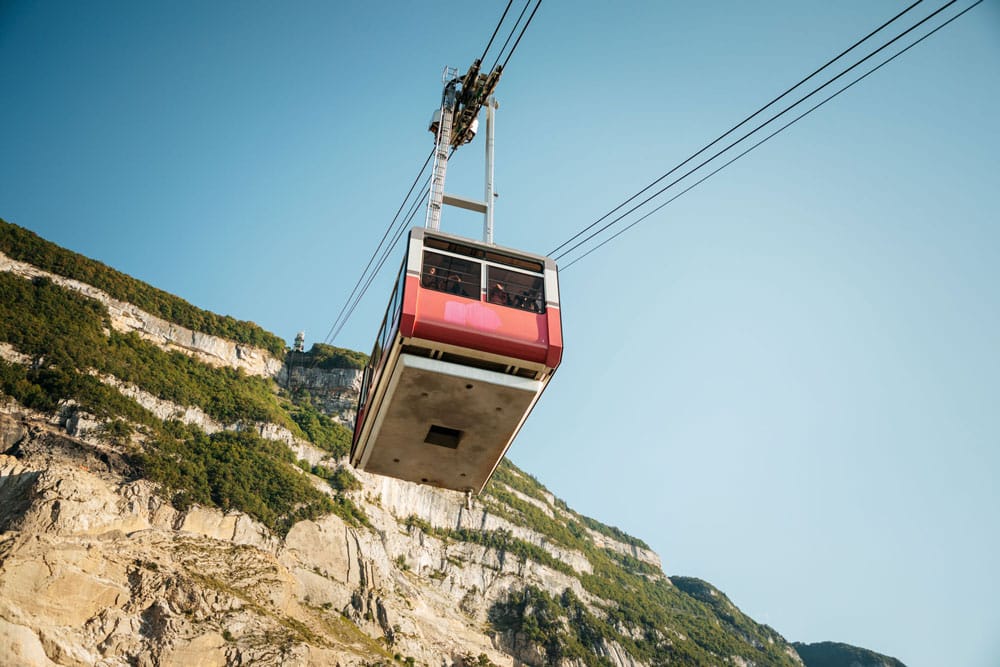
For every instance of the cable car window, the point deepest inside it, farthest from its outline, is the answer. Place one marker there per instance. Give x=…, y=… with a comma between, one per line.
x=515, y=290
x=453, y=275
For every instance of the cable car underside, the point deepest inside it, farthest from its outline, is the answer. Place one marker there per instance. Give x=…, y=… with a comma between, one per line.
x=445, y=424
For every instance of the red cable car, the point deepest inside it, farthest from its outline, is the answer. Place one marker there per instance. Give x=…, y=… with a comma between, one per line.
x=470, y=339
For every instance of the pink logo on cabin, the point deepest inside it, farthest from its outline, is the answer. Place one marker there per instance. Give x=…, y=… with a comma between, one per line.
x=474, y=315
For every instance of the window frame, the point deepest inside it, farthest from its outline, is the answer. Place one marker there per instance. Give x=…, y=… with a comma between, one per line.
x=537, y=289
x=443, y=283
x=487, y=261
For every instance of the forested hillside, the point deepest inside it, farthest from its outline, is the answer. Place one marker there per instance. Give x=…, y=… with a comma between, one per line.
x=835, y=654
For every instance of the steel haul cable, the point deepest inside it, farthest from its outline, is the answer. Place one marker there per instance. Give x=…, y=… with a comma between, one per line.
x=385, y=256
x=735, y=127
x=396, y=236
x=518, y=40
x=770, y=136
x=511, y=34
x=741, y=139
x=330, y=335
x=496, y=30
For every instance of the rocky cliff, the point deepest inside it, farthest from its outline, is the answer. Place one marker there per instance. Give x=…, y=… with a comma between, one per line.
x=334, y=391
x=126, y=317
x=167, y=497
x=96, y=568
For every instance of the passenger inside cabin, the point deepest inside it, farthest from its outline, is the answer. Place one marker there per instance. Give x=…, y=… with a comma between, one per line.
x=532, y=301
x=431, y=280
x=498, y=295
x=455, y=285
x=523, y=301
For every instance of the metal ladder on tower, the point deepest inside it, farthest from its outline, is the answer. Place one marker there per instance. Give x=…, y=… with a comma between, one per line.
x=442, y=148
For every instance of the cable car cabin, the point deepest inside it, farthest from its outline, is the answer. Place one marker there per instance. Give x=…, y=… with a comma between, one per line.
x=470, y=339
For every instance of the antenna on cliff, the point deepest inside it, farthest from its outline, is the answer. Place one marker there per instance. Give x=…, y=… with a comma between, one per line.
x=300, y=342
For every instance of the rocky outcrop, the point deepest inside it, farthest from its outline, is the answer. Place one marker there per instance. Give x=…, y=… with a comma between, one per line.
x=637, y=552
x=8, y=353
x=165, y=409
x=334, y=391
x=440, y=509
x=207, y=587
x=97, y=569
x=125, y=317
x=192, y=415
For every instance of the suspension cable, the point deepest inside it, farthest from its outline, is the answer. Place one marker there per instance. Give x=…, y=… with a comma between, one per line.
x=503, y=48
x=496, y=30
x=385, y=256
x=770, y=136
x=742, y=138
x=330, y=335
x=518, y=41
x=733, y=128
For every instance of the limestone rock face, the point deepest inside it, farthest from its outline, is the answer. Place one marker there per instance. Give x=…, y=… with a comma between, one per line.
x=164, y=409
x=21, y=646
x=97, y=569
x=126, y=317
x=334, y=391
x=197, y=417
x=8, y=353
x=645, y=555
x=439, y=508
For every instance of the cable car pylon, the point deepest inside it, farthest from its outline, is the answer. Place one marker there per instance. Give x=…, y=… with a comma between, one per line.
x=471, y=336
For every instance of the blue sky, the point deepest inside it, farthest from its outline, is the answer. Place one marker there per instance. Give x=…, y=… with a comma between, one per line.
x=786, y=381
